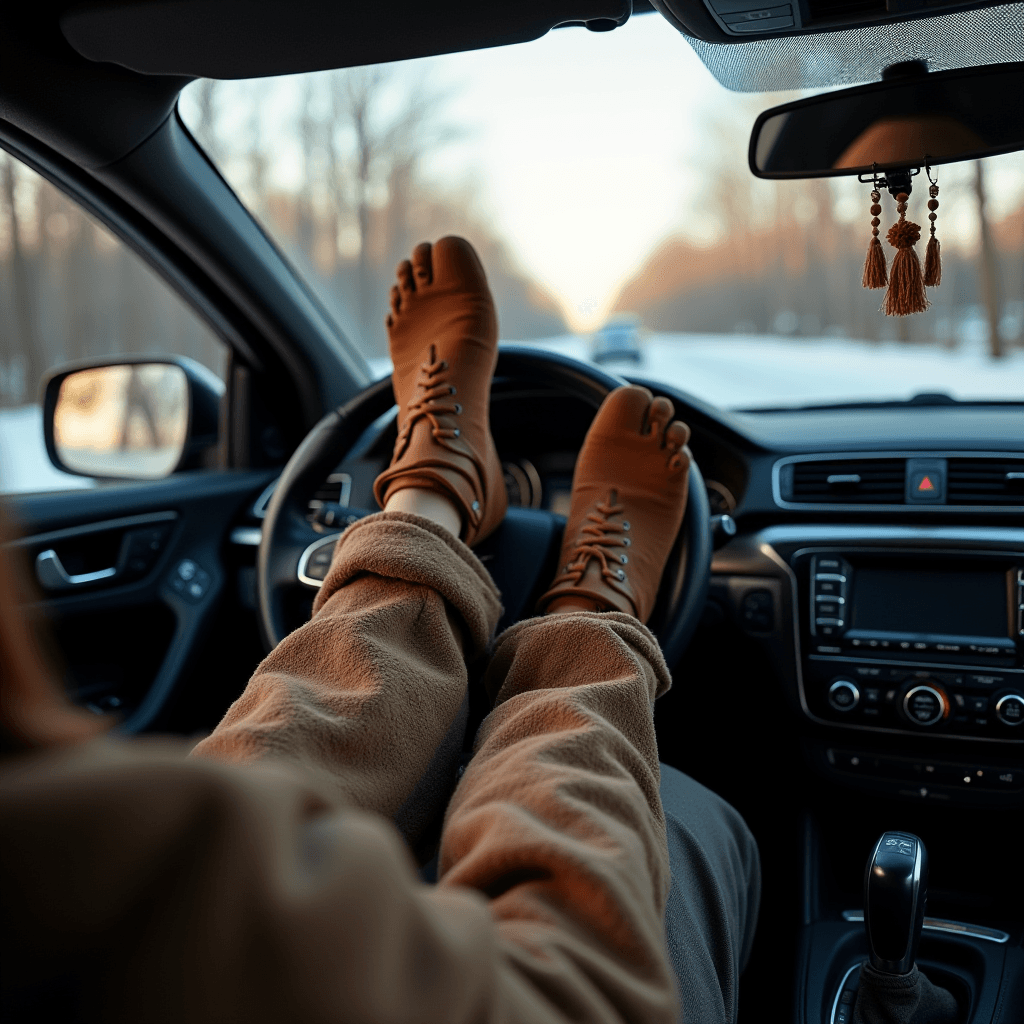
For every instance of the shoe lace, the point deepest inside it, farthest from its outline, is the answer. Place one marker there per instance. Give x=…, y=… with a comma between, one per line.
x=431, y=399
x=600, y=535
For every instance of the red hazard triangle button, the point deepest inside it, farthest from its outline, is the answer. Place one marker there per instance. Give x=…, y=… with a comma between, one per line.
x=926, y=484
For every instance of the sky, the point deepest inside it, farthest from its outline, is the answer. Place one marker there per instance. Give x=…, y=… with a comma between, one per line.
x=586, y=150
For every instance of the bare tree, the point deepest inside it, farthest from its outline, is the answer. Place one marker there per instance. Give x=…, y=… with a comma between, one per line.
x=206, y=127
x=988, y=268
x=23, y=370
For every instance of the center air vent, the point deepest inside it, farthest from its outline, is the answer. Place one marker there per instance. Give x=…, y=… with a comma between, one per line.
x=845, y=482
x=986, y=481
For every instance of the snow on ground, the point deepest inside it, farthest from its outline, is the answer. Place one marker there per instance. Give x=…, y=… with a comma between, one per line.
x=731, y=371
x=747, y=372
x=24, y=464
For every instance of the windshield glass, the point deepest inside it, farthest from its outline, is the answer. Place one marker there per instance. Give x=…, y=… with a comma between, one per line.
x=603, y=178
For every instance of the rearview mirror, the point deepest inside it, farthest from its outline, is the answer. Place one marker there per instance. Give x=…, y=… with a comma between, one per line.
x=913, y=119
x=132, y=420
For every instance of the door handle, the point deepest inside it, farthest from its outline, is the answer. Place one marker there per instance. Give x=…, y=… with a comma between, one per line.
x=53, y=576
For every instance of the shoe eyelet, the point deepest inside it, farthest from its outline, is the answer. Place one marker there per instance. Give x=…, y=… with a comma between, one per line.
x=626, y=542
x=458, y=409
x=621, y=574
x=475, y=506
x=623, y=559
x=456, y=432
x=625, y=524
x=451, y=389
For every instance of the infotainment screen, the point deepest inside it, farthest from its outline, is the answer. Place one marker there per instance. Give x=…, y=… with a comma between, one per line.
x=957, y=603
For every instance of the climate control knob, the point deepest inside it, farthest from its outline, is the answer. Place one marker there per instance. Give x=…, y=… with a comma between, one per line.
x=1010, y=709
x=925, y=704
x=843, y=695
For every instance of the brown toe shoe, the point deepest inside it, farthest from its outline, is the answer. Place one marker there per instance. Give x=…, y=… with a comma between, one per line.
x=628, y=499
x=443, y=337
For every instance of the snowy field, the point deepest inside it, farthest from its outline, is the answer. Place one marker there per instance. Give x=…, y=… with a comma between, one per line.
x=731, y=371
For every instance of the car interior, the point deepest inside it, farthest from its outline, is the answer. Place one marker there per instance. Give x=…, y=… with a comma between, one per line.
x=843, y=611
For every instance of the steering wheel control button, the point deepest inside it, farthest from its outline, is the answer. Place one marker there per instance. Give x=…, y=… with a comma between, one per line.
x=843, y=695
x=320, y=562
x=1010, y=709
x=758, y=611
x=315, y=561
x=190, y=580
x=925, y=705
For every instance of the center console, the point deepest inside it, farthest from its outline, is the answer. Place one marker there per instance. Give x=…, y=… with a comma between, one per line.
x=901, y=648
x=925, y=640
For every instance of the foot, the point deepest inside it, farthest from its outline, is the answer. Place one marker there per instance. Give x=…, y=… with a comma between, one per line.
x=628, y=499
x=443, y=338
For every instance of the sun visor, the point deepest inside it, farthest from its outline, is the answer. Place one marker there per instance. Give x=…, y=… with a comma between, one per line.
x=228, y=39
x=809, y=49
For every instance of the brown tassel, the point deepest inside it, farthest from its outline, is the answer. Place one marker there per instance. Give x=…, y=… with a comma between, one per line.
x=874, y=266
x=932, y=257
x=906, y=286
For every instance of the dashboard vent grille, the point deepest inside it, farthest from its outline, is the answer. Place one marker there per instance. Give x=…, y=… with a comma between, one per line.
x=848, y=482
x=983, y=481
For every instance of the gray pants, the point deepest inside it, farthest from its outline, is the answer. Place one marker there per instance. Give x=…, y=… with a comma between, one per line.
x=712, y=905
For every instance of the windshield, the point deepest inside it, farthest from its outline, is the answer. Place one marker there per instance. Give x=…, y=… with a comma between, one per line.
x=603, y=179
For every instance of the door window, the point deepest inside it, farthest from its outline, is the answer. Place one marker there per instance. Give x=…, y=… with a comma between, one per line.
x=69, y=291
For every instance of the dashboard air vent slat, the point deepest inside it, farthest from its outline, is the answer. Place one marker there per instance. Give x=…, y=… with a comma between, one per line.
x=981, y=481
x=849, y=482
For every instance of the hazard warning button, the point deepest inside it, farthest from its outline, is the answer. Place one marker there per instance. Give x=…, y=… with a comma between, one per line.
x=926, y=481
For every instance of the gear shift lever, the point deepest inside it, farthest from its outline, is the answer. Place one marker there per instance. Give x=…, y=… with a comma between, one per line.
x=895, y=889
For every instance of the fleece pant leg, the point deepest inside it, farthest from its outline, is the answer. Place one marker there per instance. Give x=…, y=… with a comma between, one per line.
x=370, y=694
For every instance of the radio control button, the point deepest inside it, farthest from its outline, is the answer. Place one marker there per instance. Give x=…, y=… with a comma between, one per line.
x=834, y=577
x=828, y=588
x=984, y=679
x=829, y=607
x=977, y=705
x=925, y=705
x=843, y=695
x=1010, y=709
x=868, y=671
x=872, y=695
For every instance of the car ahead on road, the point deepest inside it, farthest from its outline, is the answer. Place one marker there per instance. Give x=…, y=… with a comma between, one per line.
x=848, y=659
x=618, y=341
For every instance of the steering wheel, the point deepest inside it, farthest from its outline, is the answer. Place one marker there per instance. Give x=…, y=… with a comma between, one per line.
x=521, y=555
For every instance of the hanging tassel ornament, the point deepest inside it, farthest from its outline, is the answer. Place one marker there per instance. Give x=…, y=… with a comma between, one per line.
x=906, y=286
x=932, y=257
x=874, y=266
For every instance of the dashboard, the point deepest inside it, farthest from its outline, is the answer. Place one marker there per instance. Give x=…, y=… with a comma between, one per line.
x=878, y=567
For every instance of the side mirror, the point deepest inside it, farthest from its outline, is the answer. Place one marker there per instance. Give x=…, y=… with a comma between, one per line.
x=135, y=419
x=912, y=119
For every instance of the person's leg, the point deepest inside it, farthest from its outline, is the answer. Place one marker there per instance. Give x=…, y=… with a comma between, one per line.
x=629, y=492
x=711, y=913
x=370, y=695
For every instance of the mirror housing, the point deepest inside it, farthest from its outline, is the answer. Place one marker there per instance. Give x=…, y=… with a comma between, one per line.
x=911, y=119
x=109, y=406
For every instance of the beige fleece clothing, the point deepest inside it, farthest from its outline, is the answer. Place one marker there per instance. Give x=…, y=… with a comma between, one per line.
x=263, y=880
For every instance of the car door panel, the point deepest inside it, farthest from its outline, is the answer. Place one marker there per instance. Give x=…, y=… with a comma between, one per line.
x=141, y=640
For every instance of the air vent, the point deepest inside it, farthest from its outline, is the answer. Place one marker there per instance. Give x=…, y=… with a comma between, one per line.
x=846, y=482
x=985, y=481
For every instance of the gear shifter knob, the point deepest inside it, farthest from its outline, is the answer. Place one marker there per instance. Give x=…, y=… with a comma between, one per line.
x=895, y=889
